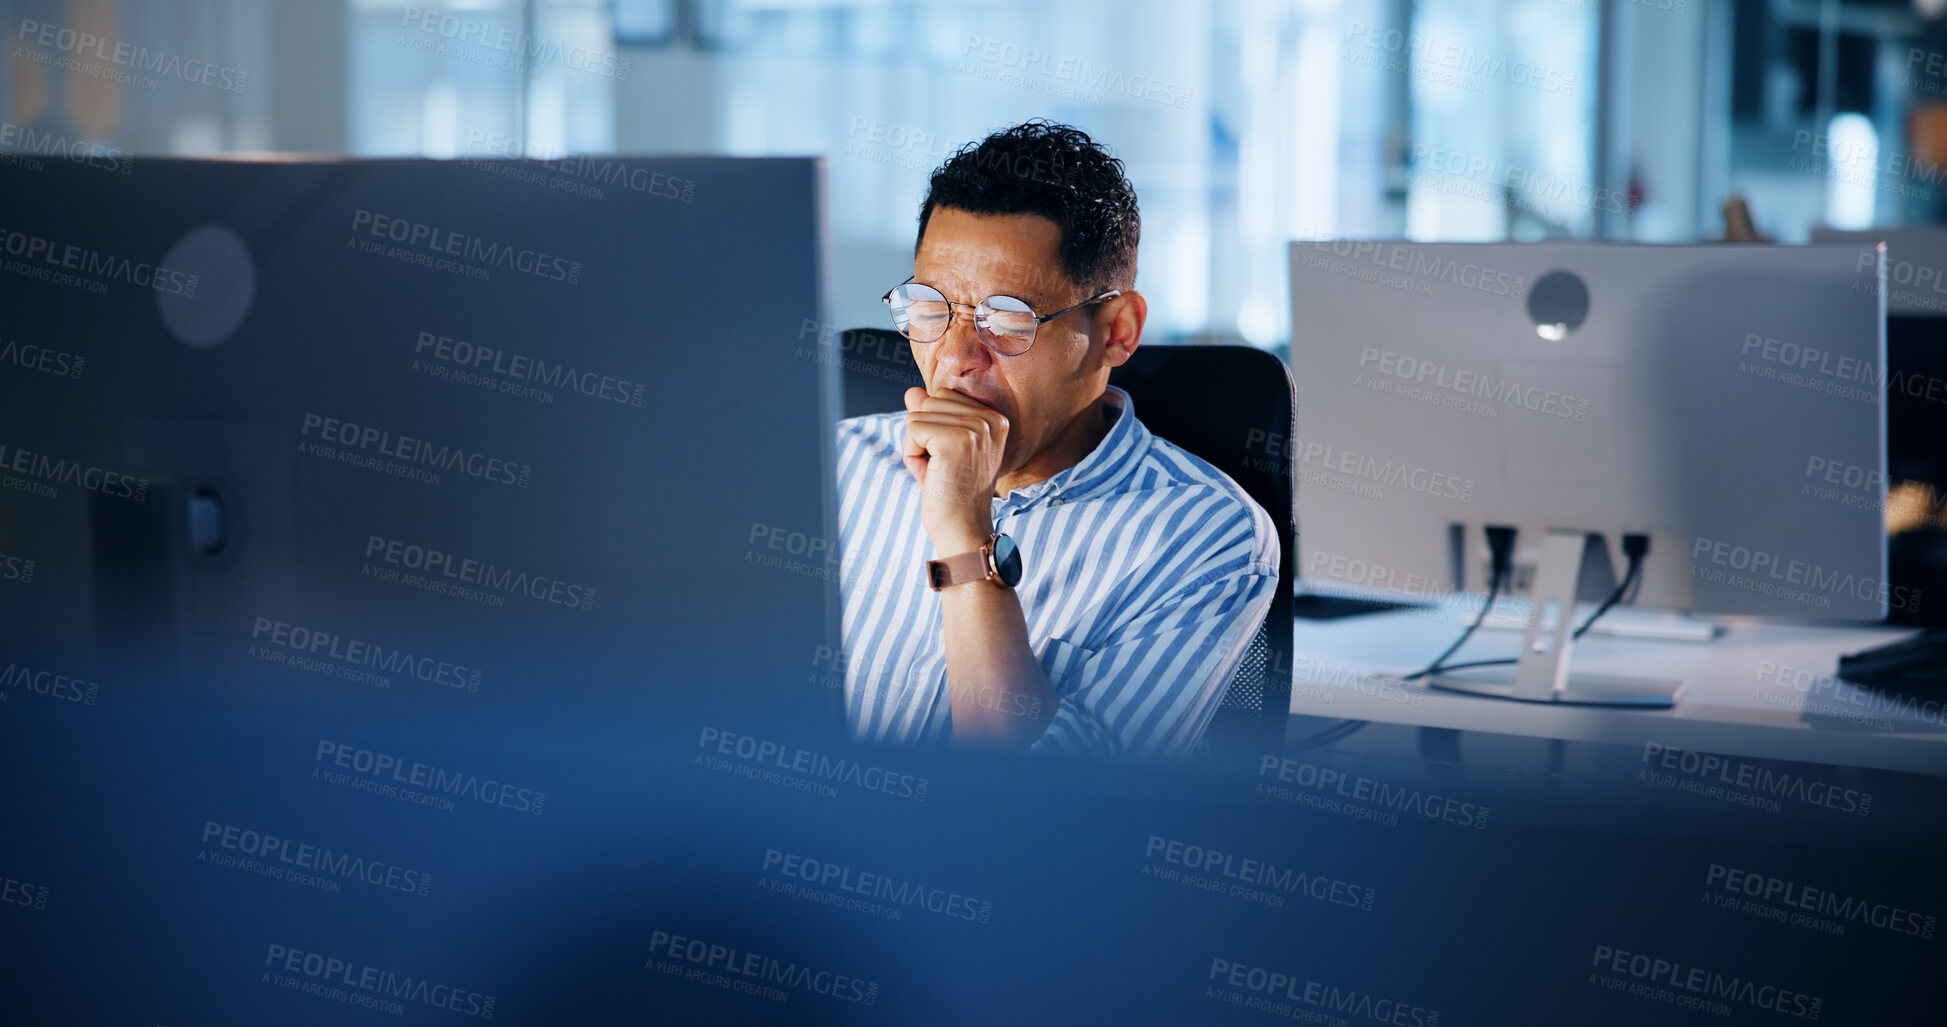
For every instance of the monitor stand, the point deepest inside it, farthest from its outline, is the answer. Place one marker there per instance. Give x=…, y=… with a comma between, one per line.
x=1541, y=674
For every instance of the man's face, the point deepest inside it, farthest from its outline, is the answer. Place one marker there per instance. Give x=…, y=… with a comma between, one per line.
x=969, y=257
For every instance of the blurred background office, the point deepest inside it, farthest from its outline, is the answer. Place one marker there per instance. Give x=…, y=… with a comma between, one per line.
x=1244, y=123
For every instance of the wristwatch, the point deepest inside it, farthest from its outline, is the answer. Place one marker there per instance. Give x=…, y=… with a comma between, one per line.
x=998, y=561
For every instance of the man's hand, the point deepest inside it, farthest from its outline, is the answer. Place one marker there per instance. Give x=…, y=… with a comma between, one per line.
x=998, y=691
x=953, y=449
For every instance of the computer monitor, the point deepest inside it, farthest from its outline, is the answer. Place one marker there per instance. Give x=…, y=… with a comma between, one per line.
x=1722, y=401
x=417, y=586
x=1916, y=413
x=1916, y=261
x=529, y=447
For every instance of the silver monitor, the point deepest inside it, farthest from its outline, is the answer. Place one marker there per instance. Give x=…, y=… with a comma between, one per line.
x=1916, y=411
x=1916, y=266
x=1723, y=401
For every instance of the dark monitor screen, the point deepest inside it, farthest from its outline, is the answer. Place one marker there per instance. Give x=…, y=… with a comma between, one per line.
x=376, y=537
x=505, y=441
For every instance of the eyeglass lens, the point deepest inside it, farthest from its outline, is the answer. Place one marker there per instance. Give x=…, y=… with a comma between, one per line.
x=922, y=314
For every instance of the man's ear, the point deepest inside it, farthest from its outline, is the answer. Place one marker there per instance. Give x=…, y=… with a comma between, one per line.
x=1123, y=319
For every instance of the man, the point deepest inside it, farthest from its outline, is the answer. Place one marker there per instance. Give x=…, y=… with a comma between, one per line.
x=1026, y=565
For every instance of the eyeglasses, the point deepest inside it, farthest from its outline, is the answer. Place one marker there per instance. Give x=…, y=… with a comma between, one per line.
x=1005, y=325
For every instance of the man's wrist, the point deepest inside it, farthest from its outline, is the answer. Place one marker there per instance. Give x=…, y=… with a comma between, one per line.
x=960, y=540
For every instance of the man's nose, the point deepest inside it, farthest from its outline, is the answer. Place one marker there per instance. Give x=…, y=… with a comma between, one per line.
x=960, y=350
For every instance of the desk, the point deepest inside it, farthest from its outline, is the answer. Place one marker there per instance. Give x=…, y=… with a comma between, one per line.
x=1758, y=690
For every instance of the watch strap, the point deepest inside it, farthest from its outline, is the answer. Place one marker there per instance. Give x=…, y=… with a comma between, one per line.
x=958, y=570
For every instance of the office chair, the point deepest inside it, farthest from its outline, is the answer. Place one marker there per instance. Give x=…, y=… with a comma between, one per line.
x=879, y=368
x=1236, y=407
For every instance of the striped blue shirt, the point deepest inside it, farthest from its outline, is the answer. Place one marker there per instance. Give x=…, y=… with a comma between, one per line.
x=1145, y=574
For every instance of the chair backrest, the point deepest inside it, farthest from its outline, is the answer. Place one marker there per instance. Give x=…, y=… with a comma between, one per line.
x=1236, y=407
x=879, y=368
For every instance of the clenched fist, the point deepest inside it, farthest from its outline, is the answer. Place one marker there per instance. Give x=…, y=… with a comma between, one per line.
x=953, y=449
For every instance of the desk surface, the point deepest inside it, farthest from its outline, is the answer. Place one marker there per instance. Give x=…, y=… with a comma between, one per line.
x=1758, y=690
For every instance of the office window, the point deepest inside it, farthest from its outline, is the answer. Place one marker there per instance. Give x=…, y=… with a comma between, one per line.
x=1503, y=101
x=68, y=94
x=1243, y=125
x=499, y=76
x=645, y=22
x=1838, y=114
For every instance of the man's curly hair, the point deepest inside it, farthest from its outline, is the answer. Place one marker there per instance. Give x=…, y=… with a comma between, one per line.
x=1056, y=171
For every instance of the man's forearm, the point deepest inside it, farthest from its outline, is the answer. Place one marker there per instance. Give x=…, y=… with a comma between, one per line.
x=999, y=693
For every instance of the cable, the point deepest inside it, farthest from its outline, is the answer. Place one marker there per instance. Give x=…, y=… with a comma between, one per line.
x=1439, y=662
x=1337, y=732
x=1500, y=545
x=1479, y=663
x=1629, y=578
x=1636, y=547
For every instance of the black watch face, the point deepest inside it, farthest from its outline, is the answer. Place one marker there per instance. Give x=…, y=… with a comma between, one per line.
x=1007, y=560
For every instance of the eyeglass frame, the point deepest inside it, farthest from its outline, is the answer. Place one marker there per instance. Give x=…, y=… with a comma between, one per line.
x=980, y=331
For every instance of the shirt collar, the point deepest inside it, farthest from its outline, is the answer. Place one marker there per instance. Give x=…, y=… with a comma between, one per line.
x=1112, y=459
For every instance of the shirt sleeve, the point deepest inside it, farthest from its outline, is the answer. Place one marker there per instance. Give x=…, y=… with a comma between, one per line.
x=1153, y=684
